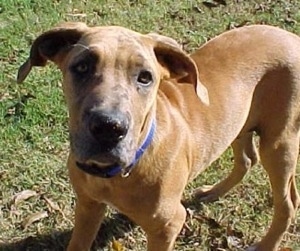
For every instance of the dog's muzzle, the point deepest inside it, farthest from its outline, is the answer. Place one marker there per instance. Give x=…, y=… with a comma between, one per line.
x=113, y=170
x=103, y=138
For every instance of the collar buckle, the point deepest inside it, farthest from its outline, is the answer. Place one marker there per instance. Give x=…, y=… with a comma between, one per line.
x=125, y=173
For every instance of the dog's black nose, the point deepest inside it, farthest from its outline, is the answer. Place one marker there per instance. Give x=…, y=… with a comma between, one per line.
x=108, y=128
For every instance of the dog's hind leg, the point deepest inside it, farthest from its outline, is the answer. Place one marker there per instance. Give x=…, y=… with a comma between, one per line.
x=279, y=157
x=245, y=156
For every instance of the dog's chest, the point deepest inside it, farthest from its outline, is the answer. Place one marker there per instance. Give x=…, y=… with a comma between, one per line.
x=127, y=197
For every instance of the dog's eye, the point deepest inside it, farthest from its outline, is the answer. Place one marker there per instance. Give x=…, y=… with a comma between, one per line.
x=81, y=68
x=145, y=78
x=84, y=65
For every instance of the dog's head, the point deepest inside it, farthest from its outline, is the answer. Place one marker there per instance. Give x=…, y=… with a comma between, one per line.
x=111, y=77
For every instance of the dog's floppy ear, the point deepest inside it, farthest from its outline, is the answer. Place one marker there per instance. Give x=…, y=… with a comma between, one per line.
x=179, y=64
x=51, y=45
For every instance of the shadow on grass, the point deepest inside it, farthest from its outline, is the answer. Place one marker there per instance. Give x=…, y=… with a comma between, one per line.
x=115, y=227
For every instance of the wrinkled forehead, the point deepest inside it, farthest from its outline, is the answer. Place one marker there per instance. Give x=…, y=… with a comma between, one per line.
x=114, y=34
x=117, y=42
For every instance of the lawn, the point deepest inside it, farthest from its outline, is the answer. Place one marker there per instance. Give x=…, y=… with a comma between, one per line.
x=36, y=200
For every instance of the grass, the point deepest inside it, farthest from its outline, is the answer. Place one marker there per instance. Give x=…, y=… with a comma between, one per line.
x=34, y=135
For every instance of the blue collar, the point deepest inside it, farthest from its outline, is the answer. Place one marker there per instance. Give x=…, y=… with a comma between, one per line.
x=111, y=171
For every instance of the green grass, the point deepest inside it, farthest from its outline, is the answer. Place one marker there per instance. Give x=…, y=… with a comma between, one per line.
x=34, y=137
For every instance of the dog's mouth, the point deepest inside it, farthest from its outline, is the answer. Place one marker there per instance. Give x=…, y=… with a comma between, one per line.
x=94, y=159
x=99, y=169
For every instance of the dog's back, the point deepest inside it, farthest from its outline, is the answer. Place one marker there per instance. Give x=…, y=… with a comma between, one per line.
x=253, y=79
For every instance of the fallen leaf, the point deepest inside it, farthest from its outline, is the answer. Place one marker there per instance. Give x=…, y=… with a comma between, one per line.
x=223, y=2
x=285, y=249
x=52, y=204
x=33, y=218
x=210, y=221
x=190, y=212
x=186, y=230
x=233, y=25
x=117, y=246
x=24, y=195
x=3, y=174
x=198, y=9
x=77, y=15
x=233, y=242
x=4, y=96
x=290, y=21
x=213, y=3
x=210, y=4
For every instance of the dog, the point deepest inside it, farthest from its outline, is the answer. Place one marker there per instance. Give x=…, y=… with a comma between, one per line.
x=145, y=118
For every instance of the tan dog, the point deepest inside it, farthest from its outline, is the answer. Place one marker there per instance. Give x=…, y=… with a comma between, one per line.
x=139, y=132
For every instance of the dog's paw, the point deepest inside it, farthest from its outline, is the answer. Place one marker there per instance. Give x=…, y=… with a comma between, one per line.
x=206, y=194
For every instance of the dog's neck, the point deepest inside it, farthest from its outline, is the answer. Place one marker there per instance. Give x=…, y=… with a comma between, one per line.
x=114, y=170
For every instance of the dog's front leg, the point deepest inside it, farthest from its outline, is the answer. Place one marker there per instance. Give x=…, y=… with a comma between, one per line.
x=164, y=236
x=88, y=217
